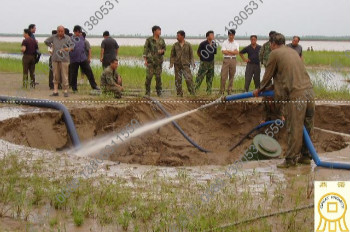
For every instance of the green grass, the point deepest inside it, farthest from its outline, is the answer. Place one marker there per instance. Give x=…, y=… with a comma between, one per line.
x=134, y=78
x=153, y=203
x=316, y=58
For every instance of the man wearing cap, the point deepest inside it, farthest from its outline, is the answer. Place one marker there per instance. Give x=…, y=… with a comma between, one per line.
x=230, y=48
x=291, y=83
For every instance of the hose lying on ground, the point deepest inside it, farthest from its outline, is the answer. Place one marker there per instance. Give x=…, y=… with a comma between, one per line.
x=256, y=128
x=48, y=104
x=177, y=125
x=309, y=145
x=264, y=216
x=228, y=98
x=307, y=139
x=316, y=158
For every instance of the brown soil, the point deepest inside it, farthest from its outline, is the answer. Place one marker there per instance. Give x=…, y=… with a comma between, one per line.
x=216, y=129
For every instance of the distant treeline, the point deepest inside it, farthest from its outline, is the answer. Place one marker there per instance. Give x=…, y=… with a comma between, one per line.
x=263, y=37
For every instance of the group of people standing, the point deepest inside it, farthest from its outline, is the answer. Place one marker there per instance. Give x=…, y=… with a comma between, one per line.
x=182, y=59
x=283, y=64
x=69, y=52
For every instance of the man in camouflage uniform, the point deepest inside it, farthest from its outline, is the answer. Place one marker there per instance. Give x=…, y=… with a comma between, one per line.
x=153, y=54
x=111, y=82
x=206, y=51
x=265, y=50
x=182, y=57
x=291, y=83
x=273, y=110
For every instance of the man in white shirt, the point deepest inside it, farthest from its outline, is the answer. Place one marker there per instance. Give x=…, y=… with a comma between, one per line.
x=230, y=48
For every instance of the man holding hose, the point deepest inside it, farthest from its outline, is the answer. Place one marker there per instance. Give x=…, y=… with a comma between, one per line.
x=293, y=85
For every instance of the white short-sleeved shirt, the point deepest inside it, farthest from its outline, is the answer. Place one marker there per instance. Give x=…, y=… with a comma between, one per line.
x=229, y=46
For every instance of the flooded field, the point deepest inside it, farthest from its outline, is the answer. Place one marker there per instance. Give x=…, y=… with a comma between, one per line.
x=339, y=79
x=317, y=45
x=161, y=166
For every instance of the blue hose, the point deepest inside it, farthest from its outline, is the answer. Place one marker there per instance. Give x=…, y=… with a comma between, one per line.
x=248, y=95
x=316, y=158
x=227, y=98
x=309, y=145
x=48, y=104
x=306, y=136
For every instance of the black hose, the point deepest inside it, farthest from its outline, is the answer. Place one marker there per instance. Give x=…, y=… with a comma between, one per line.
x=255, y=128
x=176, y=125
x=52, y=105
x=251, y=220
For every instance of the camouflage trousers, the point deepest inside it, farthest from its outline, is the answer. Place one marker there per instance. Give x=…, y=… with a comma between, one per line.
x=299, y=114
x=154, y=70
x=205, y=69
x=114, y=90
x=185, y=71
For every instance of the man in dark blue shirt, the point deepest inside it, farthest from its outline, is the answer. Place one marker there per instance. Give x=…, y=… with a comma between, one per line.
x=206, y=51
x=78, y=59
x=253, y=63
x=32, y=30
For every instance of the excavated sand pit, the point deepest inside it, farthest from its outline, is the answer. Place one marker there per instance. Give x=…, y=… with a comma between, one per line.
x=216, y=129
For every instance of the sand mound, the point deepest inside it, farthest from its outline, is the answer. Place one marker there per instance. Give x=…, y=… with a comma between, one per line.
x=216, y=129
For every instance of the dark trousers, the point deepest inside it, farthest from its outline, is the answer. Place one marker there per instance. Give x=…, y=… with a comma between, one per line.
x=28, y=62
x=252, y=70
x=85, y=66
x=50, y=74
x=105, y=65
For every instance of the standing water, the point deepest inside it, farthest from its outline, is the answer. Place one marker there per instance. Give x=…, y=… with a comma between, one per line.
x=96, y=145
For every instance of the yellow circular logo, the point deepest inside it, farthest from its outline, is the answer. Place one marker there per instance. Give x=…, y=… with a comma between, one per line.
x=332, y=208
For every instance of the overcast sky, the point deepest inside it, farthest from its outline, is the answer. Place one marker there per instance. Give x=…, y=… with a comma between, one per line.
x=291, y=17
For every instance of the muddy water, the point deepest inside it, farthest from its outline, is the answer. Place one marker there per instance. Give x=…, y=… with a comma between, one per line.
x=14, y=112
x=317, y=45
x=96, y=145
x=216, y=129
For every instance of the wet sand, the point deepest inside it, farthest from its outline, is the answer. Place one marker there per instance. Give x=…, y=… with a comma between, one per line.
x=164, y=152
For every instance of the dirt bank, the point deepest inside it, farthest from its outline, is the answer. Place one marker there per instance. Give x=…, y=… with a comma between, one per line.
x=216, y=129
